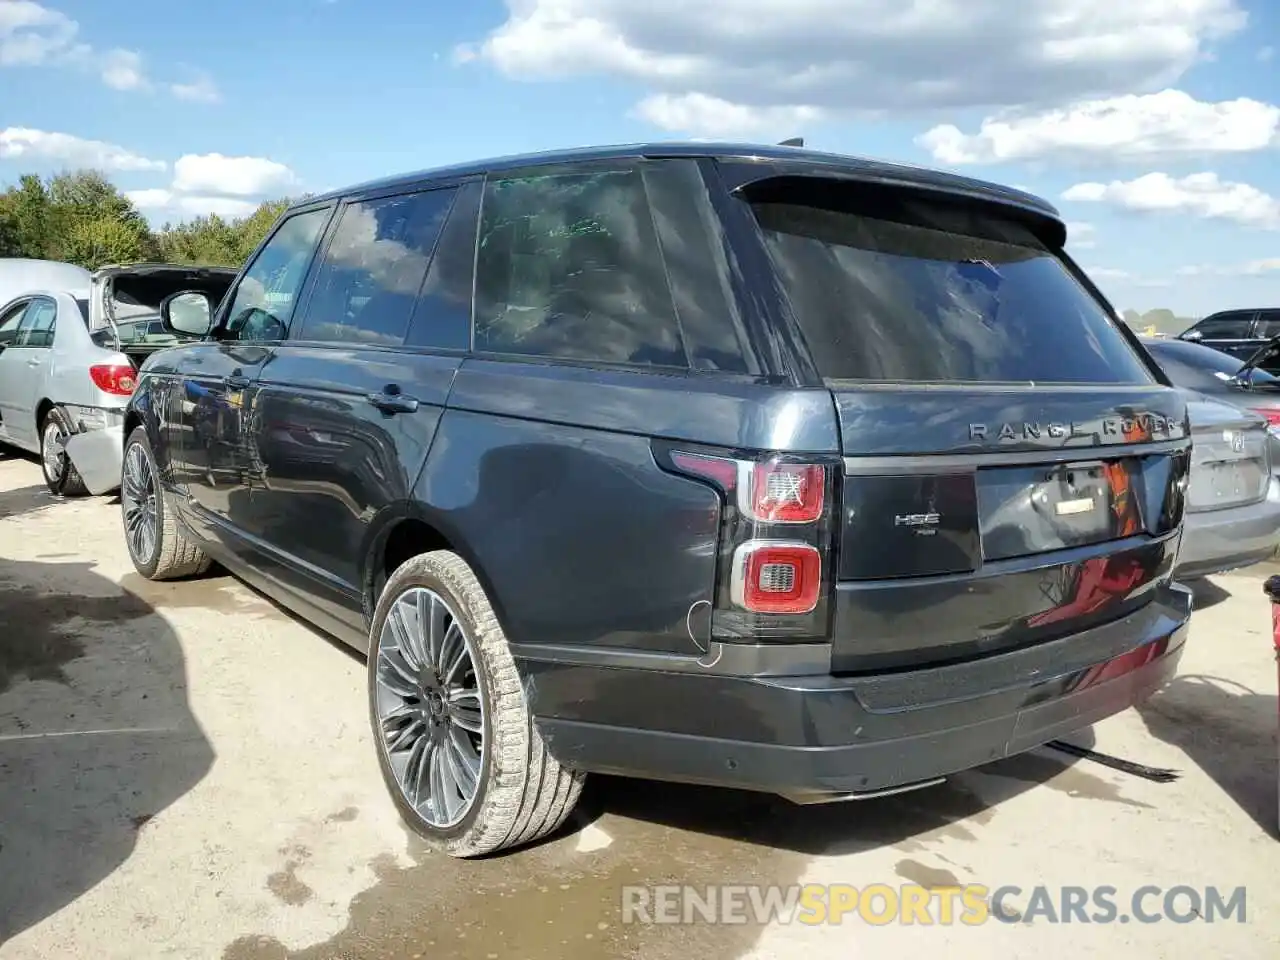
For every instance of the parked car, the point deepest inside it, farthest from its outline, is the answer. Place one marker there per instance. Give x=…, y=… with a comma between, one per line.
x=1223, y=377
x=1237, y=332
x=68, y=356
x=22, y=274
x=738, y=465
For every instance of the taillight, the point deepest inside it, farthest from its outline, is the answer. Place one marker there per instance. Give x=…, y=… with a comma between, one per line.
x=1272, y=417
x=775, y=569
x=773, y=577
x=117, y=378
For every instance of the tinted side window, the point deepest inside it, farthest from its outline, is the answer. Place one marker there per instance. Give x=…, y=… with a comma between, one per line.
x=443, y=315
x=889, y=287
x=371, y=273
x=263, y=303
x=9, y=324
x=1232, y=326
x=569, y=267
x=693, y=247
x=1268, y=323
x=37, y=324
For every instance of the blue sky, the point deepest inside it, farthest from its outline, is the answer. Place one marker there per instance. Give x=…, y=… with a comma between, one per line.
x=1153, y=125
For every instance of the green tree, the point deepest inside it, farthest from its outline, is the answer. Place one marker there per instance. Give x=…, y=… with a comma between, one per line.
x=96, y=242
x=80, y=216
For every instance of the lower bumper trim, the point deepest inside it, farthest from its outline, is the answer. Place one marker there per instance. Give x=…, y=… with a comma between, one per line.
x=856, y=769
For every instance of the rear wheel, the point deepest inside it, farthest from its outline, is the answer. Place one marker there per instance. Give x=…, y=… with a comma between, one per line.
x=456, y=742
x=157, y=545
x=60, y=474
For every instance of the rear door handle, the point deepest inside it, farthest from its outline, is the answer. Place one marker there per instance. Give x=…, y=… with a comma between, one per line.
x=236, y=382
x=393, y=402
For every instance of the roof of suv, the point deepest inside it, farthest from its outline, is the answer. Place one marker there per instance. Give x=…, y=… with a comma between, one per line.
x=863, y=167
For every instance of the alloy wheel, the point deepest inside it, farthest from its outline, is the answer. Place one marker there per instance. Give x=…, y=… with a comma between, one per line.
x=138, y=501
x=429, y=707
x=53, y=450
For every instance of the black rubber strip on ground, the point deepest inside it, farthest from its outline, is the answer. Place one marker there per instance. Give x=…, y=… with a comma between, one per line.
x=1154, y=774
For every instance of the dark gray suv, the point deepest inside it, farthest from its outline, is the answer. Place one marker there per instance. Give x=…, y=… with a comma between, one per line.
x=732, y=465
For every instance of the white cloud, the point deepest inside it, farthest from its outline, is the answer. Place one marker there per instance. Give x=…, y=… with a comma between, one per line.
x=122, y=70
x=1266, y=54
x=711, y=116
x=33, y=35
x=211, y=183
x=215, y=174
x=854, y=55
x=1170, y=123
x=1107, y=273
x=200, y=90
x=161, y=201
x=23, y=143
x=1252, y=268
x=1202, y=195
x=1081, y=236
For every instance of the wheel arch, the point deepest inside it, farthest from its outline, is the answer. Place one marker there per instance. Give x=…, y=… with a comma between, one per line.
x=42, y=411
x=404, y=531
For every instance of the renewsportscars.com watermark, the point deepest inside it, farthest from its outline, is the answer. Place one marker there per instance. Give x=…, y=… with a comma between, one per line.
x=969, y=905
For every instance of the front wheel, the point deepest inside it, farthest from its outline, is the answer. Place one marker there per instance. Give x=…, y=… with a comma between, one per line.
x=60, y=474
x=157, y=546
x=456, y=742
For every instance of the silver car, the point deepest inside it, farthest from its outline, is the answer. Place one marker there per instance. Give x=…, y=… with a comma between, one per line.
x=1233, y=501
x=68, y=358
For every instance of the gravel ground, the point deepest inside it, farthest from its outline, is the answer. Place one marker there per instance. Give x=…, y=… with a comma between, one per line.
x=186, y=771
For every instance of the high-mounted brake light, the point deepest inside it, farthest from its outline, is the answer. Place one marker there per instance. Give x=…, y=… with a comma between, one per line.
x=115, y=378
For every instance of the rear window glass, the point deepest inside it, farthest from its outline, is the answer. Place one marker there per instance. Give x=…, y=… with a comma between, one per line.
x=888, y=287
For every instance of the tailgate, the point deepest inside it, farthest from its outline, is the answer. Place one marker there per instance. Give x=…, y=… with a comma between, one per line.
x=1034, y=514
x=1014, y=462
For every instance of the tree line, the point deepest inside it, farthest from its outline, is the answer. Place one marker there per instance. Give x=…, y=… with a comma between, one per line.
x=81, y=217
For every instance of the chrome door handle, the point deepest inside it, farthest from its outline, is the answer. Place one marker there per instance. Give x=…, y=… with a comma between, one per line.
x=393, y=402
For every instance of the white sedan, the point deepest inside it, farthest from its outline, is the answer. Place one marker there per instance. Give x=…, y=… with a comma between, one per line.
x=68, y=363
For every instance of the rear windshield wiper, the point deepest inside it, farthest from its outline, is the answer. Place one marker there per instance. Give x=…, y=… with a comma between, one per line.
x=1259, y=356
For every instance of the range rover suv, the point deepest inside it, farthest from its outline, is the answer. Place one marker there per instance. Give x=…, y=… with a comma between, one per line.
x=732, y=465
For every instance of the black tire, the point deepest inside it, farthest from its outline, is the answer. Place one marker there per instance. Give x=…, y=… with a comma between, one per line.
x=173, y=555
x=524, y=794
x=68, y=482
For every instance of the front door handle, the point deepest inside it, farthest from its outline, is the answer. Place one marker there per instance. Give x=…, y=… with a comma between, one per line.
x=236, y=381
x=393, y=402
x=34, y=362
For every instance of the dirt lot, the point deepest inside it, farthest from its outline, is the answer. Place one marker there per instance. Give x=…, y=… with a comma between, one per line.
x=185, y=771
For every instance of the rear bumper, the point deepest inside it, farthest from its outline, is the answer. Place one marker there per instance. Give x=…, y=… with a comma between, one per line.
x=815, y=735
x=98, y=456
x=1216, y=541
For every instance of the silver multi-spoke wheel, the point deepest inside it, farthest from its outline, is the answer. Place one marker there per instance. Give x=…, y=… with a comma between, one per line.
x=53, y=449
x=457, y=744
x=138, y=501
x=159, y=547
x=429, y=707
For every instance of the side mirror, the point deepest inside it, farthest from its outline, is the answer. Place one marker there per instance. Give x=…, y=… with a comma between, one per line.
x=189, y=312
x=1193, y=335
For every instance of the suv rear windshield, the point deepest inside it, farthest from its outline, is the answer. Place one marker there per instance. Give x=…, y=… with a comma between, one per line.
x=886, y=286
